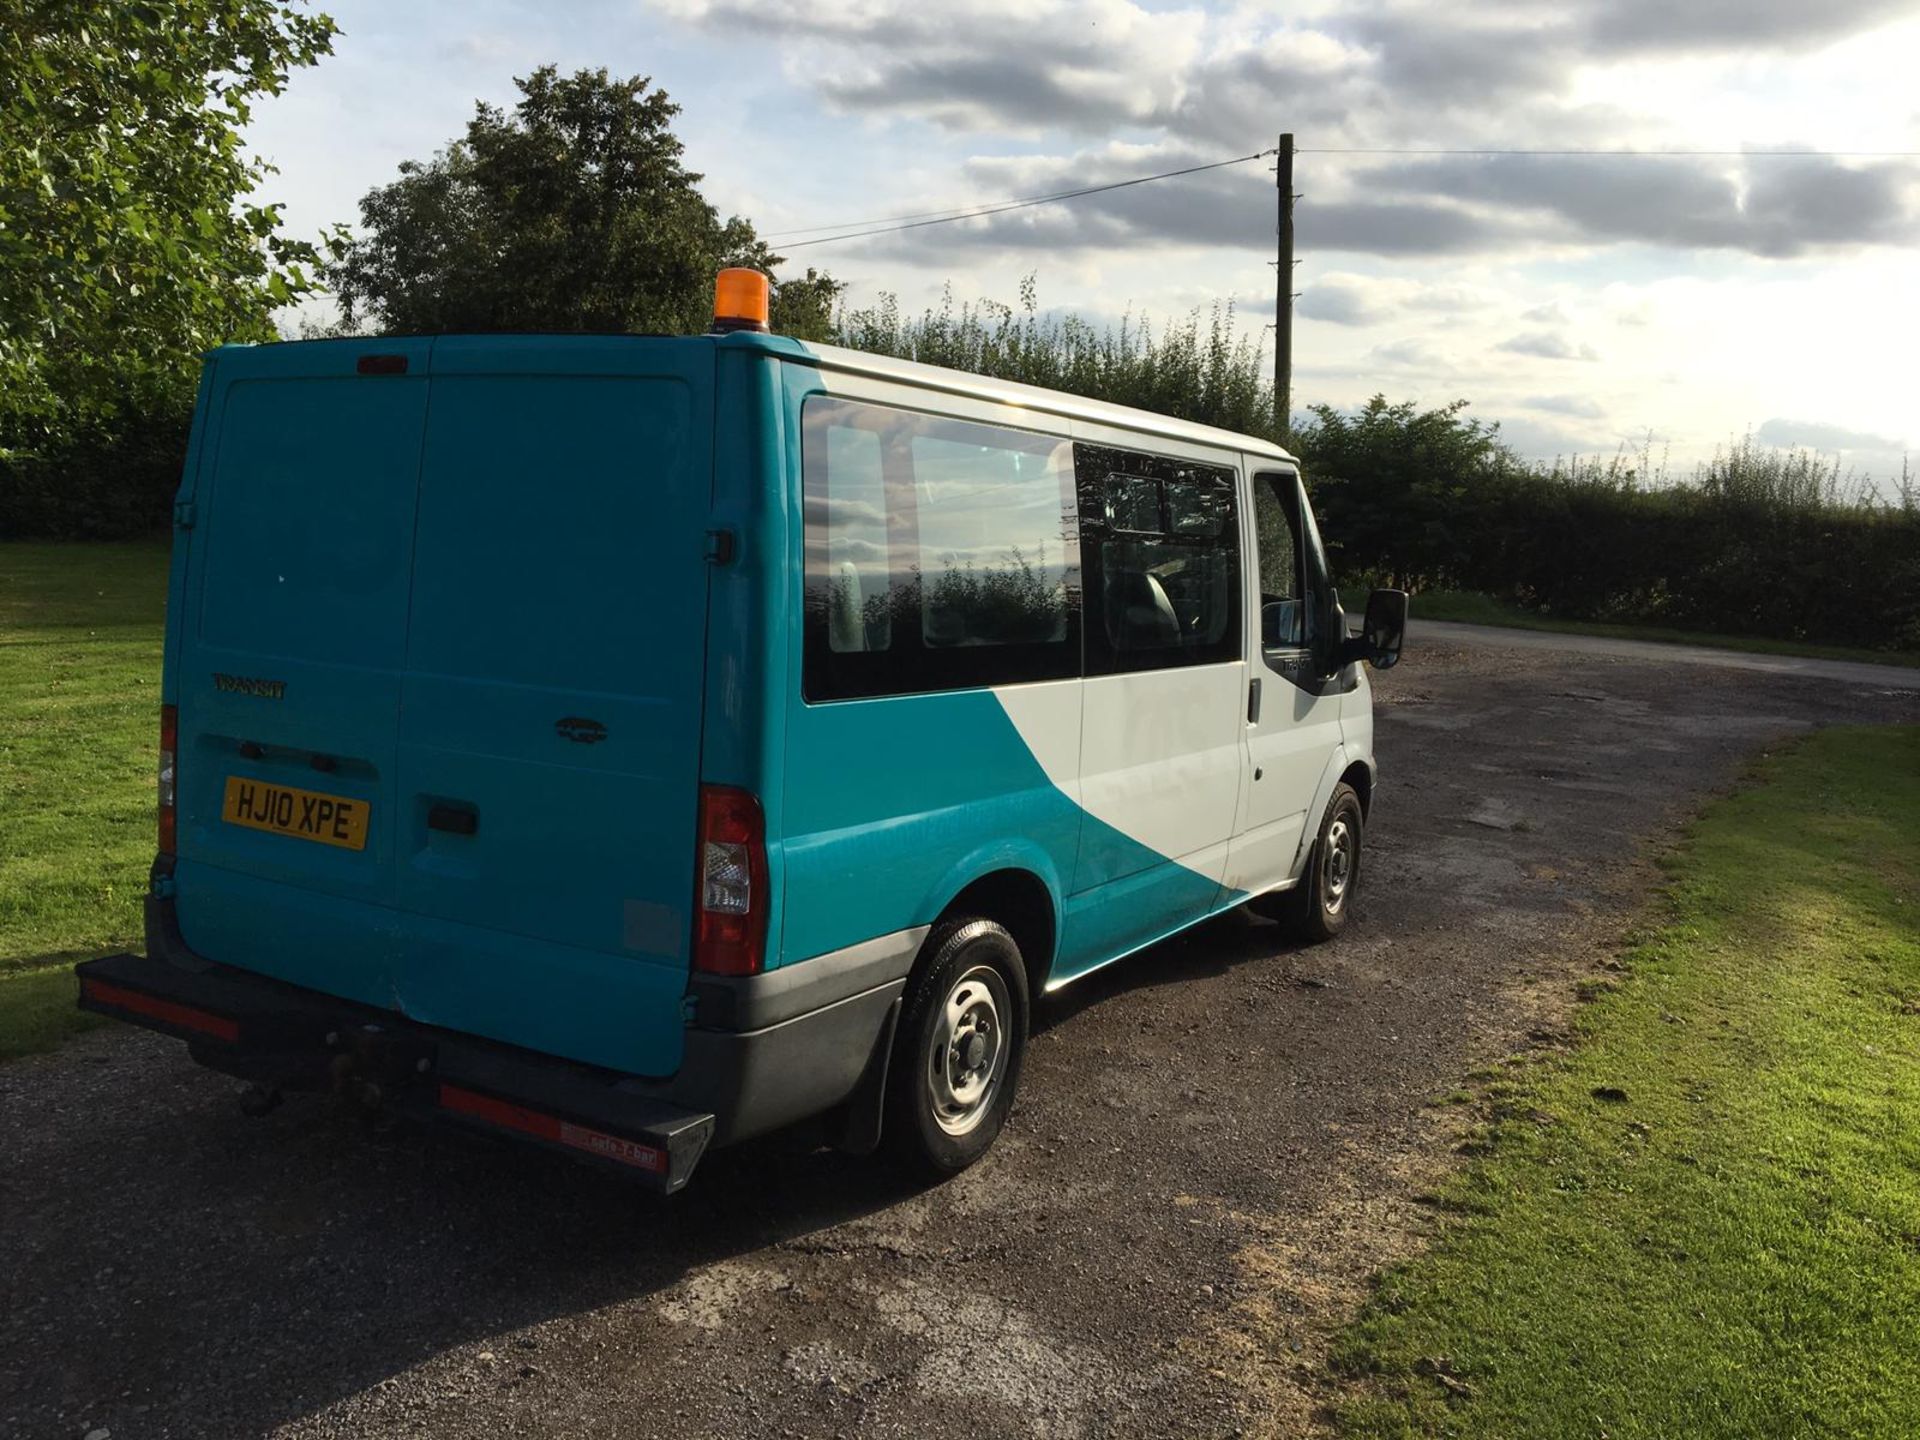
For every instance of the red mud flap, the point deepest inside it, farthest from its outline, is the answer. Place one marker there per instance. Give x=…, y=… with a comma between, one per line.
x=286, y=1037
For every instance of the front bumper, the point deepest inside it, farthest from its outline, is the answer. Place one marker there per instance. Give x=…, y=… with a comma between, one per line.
x=760, y=1054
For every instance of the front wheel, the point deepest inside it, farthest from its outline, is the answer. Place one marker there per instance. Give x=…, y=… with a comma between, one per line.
x=1316, y=909
x=958, y=1049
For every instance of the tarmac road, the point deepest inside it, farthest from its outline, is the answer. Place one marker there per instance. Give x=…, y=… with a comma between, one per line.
x=1217, y=1142
x=1840, y=672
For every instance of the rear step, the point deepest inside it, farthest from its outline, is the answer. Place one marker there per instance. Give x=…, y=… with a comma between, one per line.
x=282, y=1037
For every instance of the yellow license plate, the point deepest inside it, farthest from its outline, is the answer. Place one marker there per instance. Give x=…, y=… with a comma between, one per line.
x=303, y=814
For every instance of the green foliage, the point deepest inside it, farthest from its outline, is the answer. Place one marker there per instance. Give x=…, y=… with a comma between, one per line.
x=1391, y=483
x=1206, y=374
x=1757, y=542
x=572, y=212
x=128, y=243
x=1700, y=1222
x=109, y=481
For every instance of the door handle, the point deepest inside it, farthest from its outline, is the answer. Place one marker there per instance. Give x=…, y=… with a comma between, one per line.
x=1253, y=701
x=454, y=819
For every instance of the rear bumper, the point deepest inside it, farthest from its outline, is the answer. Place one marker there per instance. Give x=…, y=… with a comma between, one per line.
x=817, y=1037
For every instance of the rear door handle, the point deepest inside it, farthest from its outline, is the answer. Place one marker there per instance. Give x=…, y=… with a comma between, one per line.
x=1253, y=701
x=454, y=819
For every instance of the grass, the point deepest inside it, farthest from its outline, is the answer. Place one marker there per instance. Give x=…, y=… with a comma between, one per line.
x=80, y=640
x=1704, y=1220
x=1476, y=609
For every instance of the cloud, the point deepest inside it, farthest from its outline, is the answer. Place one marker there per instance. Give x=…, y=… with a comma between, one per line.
x=1410, y=355
x=977, y=65
x=1341, y=303
x=1775, y=208
x=1186, y=86
x=1547, y=345
x=1638, y=26
x=1534, y=440
x=1579, y=406
x=1811, y=435
x=1345, y=298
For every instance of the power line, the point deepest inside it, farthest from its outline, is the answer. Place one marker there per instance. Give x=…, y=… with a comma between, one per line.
x=1633, y=154
x=889, y=224
x=1001, y=207
x=959, y=212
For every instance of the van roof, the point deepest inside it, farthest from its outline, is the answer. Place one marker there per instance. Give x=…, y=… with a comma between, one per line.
x=1012, y=392
x=834, y=358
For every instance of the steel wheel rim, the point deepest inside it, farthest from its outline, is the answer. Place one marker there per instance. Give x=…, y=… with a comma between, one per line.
x=1336, y=870
x=967, y=1060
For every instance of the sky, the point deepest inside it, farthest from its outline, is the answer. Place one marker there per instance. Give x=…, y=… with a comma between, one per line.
x=1591, y=304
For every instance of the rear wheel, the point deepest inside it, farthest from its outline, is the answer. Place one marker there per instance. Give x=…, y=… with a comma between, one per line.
x=1316, y=909
x=958, y=1049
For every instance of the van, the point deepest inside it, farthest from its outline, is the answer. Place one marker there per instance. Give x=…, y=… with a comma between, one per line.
x=633, y=745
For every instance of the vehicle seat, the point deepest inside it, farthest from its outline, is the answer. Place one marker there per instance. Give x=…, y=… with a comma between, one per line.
x=1139, y=614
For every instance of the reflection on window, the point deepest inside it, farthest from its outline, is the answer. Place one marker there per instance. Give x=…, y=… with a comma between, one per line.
x=1133, y=504
x=990, y=542
x=941, y=554
x=856, y=529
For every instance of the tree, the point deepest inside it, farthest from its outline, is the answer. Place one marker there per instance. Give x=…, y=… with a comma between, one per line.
x=571, y=213
x=128, y=243
x=1395, y=484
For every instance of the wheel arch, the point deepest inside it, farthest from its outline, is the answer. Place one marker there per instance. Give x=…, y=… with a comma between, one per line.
x=1023, y=903
x=1360, y=776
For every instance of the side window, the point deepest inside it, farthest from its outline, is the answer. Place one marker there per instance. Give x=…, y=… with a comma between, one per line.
x=941, y=554
x=1285, y=617
x=1162, y=554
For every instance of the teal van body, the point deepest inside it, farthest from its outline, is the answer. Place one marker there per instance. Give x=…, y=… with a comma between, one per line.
x=508, y=608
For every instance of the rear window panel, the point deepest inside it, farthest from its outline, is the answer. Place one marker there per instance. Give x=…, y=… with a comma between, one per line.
x=307, y=540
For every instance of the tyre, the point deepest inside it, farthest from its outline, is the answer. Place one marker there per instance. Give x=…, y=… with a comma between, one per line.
x=958, y=1049
x=1316, y=909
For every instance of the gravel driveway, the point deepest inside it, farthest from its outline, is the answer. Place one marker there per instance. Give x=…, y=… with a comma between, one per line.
x=1217, y=1142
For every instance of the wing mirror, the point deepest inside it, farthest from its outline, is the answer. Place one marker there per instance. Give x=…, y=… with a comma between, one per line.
x=1383, y=633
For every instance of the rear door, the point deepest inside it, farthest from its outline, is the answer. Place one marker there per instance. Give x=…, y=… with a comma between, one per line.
x=552, y=698
x=469, y=599
x=288, y=672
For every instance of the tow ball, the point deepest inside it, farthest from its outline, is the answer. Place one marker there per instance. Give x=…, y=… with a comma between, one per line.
x=368, y=1067
x=371, y=1066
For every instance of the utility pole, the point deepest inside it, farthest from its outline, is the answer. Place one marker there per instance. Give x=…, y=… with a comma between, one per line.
x=1283, y=293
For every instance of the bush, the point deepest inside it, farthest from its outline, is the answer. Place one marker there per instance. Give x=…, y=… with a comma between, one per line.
x=1208, y=374
x=1756, y=542
x=104, y=484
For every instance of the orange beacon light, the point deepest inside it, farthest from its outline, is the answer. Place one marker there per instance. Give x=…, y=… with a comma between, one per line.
x=740, y=301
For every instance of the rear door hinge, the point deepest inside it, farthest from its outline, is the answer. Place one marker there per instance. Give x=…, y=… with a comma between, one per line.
x=184, y=514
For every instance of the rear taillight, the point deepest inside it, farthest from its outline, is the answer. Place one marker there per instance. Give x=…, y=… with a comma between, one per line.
x=730, y=919
x=169, y=777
